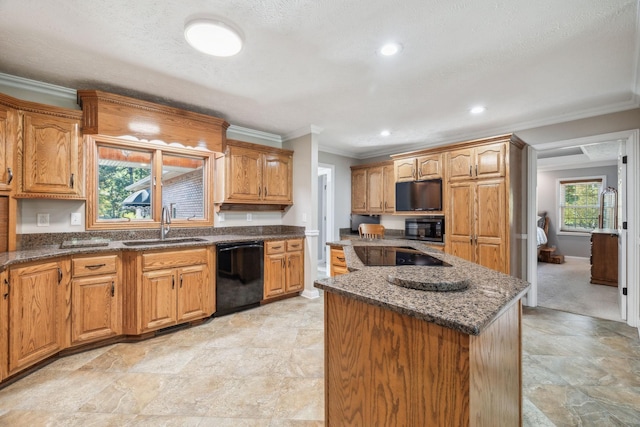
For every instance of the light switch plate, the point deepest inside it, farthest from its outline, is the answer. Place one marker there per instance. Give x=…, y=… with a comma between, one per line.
x=43, y=220
x=249, y=217
x=76, y=218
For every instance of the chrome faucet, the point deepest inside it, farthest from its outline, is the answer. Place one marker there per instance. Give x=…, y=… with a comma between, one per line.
x=165, y=220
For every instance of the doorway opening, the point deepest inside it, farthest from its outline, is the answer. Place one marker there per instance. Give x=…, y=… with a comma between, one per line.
x=326, y=190
x=552, y=284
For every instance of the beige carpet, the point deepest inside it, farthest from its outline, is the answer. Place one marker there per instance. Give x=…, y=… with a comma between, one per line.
x=566, y=287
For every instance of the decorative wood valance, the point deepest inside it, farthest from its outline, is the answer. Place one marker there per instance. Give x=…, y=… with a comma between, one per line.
x=116, y=115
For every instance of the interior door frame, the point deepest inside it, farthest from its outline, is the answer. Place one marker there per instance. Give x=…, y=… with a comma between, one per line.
x=330, y=171
x=631, y=139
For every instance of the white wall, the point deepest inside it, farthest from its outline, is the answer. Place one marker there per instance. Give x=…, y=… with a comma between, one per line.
x=568, y=245
x=342, y=206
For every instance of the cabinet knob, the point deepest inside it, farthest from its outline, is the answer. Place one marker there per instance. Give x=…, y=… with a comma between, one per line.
x=10, y=172
x=470, y=171
x=173, y=282
x=59, y=275
x=181, y=280
x=71, y=181
x=113, y=288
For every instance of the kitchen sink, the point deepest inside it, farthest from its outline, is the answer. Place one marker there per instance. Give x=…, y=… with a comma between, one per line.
x=163, y=242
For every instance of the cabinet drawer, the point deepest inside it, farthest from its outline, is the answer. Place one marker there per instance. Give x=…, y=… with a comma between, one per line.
x=274, y=247
x=95, y=265
x=294, y=245
x=159, y=260
x=337, y=258
x=339, y=270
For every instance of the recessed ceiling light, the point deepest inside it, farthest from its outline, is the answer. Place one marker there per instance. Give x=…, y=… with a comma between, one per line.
x=212, y=37
x=477, y=110
x=390, y=49
x=385, y=132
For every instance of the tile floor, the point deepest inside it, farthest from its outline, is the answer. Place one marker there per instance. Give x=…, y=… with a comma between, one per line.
x=264, y=367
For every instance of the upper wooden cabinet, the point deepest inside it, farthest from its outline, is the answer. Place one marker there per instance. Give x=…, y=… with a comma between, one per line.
x=7, y=168
x=373, y=189
x=49, y=151
x=418, y=168
x=52, y=156
x=358, y=190
x=487, y=161
x=255, y=175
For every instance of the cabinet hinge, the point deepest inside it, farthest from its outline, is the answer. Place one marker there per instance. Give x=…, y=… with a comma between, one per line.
x=624, y=291
x=624, y=225
x=624, y=160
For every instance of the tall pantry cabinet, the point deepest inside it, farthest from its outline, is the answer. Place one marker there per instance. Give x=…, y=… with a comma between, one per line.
x=485, y=201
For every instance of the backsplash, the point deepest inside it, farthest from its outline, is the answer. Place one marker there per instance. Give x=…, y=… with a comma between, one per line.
x=32, y=241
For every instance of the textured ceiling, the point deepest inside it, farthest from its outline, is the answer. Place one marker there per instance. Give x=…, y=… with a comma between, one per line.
x=314, y=63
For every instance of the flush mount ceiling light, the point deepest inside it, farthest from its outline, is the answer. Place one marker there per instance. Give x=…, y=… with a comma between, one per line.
x=385, y=132
x=478, y=109
x=390, y=49
x=212, y=37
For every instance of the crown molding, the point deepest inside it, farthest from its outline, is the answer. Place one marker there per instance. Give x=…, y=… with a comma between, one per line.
x=36, y=86
x=252, y=133
x=305, y=130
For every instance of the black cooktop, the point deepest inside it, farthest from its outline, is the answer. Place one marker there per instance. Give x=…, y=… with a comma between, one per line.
x=380, y=256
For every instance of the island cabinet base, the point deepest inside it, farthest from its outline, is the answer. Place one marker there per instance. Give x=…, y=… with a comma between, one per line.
x=383, y=368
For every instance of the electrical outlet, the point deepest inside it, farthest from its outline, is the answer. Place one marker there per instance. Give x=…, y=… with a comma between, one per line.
x=43, y=220
x=304, y=217
x=249, y=217
x=221, y=217
x=76, y=218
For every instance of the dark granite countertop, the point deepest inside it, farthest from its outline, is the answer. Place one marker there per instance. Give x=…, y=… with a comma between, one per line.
x=84, y=246
x=489, y=293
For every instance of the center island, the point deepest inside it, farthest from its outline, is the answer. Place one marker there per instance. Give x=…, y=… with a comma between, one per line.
x=398, y=355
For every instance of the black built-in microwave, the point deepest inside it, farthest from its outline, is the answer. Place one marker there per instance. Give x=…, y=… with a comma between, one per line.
x=429, y=228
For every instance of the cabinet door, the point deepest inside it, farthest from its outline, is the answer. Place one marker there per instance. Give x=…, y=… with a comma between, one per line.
x=490, y=161
x=460, y=221
x=459, y=164
x=38, y=298
x=158, y=299
x=429, y=167
x=4, y=324
x=96, y=302
x=192, y=292
x=7, y=169
x=359, y=191
x=51, y=155
x=274, y=275
x=374, y=190
x=295, y=271
x=490, y=220
x=405, y=170
x=388, y=189
x=244, y=169
x=277, y=178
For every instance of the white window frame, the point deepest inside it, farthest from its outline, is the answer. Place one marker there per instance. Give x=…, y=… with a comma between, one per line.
x=560, y=221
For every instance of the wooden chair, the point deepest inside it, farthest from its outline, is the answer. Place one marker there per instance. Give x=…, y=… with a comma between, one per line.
x=371, y=231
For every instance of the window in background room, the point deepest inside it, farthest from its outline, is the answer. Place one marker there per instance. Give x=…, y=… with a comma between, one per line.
x=579, y=203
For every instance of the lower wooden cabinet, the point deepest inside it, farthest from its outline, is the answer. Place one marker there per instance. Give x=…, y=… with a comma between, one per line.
x=96, y=298
x=168, y=288
x=283, y=267
x=338, y=262
x=39, y=296
x=4, y=324
x=604, y=258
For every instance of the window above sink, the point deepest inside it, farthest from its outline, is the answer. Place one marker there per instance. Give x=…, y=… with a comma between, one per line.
x=129, y=181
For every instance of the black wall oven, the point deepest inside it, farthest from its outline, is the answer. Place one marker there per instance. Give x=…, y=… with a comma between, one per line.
x=239, y=276
x=430, y=228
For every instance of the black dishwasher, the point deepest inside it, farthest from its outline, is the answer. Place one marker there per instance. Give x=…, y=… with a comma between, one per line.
x=239, y=276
